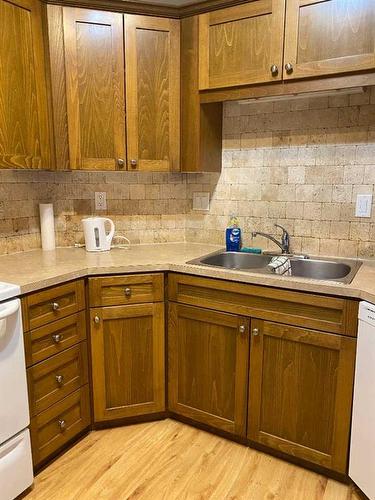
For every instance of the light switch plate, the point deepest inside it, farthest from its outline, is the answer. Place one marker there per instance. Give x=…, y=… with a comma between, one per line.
x=363, y=205
x=101, y=201
x=201, y=201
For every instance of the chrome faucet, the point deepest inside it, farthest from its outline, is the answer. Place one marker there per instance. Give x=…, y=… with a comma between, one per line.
x=284, y=244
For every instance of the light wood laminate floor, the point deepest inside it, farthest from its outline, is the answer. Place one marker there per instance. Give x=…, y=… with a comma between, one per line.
x=169, y=460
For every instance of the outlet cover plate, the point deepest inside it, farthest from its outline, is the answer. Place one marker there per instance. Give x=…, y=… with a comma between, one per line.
x=363, y=205
x=100, y=201
x=201, y=201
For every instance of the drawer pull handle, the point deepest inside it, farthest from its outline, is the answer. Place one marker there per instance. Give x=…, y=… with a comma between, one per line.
x=55, y=306
x=289, y=68
x=274, y=70
x=242, y=329
x=57, y=337
x=60, y=379
x=128, y=291
x=96, y=319
x=255, y=332
x=62, y=424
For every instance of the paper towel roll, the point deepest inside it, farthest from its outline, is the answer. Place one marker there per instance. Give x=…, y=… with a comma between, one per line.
x=47, y=226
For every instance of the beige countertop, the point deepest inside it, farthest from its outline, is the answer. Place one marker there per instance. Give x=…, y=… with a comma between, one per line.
x=36, y=269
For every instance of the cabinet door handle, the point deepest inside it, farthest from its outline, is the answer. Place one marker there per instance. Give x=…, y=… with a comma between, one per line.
x=55, y=306
x=57, y=337
x=62, y=424
x=289, y=68
x=255, y=332
x=96, y=319
x=60, y=379
x=242, y=328
x=274, y=70
x=128, y=291
x=133, y=163
x=120, y=162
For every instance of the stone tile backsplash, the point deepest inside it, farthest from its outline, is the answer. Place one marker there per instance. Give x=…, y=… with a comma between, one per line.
x=299, y=162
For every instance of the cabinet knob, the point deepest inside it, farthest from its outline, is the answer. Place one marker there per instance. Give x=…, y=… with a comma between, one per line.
x=60, y=379
x=128, y=291
x=55, y=306
x=289, y=68
x=57, y=337
x=120, y=162
x=62, y=424
x=242, y=329
x=255, y=332
x=274, y=70
x=96, y=319
x=133, y=163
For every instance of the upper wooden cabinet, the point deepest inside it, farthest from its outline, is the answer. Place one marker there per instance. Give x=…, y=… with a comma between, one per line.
x=24, y=120
x=152, y=47
x=242, y=44
x=94, y=62
x=328, y=36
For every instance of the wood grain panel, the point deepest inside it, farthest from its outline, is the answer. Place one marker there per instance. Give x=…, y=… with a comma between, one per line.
x=127, y=347
x=238, y=45
x=152, y=92
x=42, y=343
x=326, y=313
x=329, y=37
x=47, y=434
x=94, y=62
x=127, y=289
x=24, y=130
x=208, y=360
x=58, y=85
x=201, y=125
x=41, y=308
x=56, y=377
x=300, y=394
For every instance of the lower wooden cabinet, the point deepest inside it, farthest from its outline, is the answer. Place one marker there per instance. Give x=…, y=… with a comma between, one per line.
x=53, y=428
x=300, y=393
x=127, y=348
x=208, y=366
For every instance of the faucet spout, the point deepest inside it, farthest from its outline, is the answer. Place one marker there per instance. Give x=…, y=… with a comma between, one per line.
x=284, y=245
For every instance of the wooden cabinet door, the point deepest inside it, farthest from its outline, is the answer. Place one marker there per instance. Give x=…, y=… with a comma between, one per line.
x=300, y=392
x=127, y=347
x=329, y=36
x=94, y=62
x=239, y=45
x=152, y=48
x=24, y=123
x=208, y=360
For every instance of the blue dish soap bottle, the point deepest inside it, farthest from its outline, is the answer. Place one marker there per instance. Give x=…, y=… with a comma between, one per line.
x=233, y=236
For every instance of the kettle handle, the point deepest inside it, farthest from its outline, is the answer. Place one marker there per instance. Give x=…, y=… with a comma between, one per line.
x=111, y=233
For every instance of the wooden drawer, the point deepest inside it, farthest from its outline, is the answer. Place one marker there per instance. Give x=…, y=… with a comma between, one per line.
x=51, y=339
x=56, y=377
x=54, y=427
x=49, y=305
x=127, y=289
x=309, y=310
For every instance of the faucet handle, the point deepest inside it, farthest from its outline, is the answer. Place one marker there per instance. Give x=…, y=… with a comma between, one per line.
x=285, y=239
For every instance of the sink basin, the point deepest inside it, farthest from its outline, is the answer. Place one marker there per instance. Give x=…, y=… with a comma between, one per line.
x=342, y=270
x=236, y=260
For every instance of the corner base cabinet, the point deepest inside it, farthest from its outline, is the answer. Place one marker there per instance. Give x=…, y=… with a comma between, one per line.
x=208, y=366
x=127, y=348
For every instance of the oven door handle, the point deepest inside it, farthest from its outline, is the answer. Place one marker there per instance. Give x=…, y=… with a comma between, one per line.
x=9, y=309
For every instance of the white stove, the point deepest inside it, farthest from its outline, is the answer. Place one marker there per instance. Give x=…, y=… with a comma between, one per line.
x=16, y=471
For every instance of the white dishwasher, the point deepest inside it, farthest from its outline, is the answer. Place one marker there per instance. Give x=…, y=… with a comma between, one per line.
x=16, y=471
x=362, y=450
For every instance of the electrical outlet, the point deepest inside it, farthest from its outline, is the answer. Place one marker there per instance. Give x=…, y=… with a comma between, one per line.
x=201, y=201
x=101, y=201
x=363, y=205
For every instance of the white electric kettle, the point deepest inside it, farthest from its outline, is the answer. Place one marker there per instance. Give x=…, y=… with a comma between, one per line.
x=96, y=237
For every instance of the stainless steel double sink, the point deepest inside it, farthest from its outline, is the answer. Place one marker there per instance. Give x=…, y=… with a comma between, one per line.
x=341, y=270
